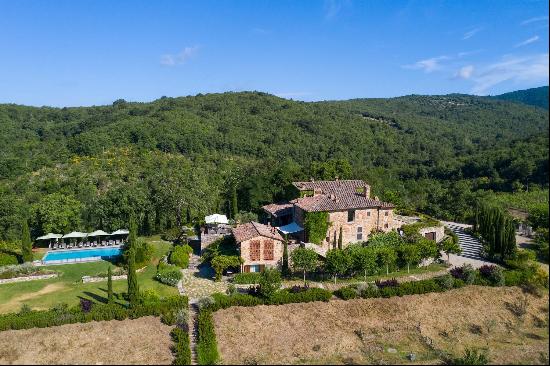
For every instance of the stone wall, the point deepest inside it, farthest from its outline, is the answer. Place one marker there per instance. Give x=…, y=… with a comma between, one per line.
x=439, y=232
x=278, y=248
x=87, y=279
x=367, y=219
x=27, y=278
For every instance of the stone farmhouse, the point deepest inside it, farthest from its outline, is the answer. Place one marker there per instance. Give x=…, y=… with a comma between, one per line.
x=259, y=245
x=347, y=203
x=349, y=210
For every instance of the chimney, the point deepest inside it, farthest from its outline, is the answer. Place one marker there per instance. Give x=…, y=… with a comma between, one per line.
x=336, y=178
x=312, y=180
x=366, y=191
x=376, y=198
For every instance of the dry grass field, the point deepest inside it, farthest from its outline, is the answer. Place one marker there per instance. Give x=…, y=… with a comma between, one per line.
x=512, y=327
x=141, y=341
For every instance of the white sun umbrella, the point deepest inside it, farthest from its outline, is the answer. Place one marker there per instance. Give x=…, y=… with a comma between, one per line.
x=75, y=235
x=216, y=219
x=120, y=232
x=98, y=233
x=49, y=236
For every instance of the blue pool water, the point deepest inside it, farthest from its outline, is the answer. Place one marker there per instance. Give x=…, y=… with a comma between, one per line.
x=76, y=255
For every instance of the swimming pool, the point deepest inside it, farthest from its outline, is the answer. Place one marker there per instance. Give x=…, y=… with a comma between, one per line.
x=80, y=255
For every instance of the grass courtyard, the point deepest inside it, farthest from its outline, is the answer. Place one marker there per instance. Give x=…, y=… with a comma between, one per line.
x=68, y=287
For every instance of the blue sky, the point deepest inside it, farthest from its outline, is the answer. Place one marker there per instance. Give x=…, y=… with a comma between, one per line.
x=69, y=53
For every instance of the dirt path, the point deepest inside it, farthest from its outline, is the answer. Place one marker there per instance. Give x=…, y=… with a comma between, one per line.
x=20, y=300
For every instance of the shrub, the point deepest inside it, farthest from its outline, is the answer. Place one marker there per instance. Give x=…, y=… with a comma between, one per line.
x=144, y=253
x=221, y=301
x=446, y=281
x=21, y=270
x=346, y=293
x=387, y=283
x=246, y=278
x=181, y=347
x=180, y=256
x=86, y=305
x=286, y=297
x=471, y=357
x=493, y=274
x=8, y=259
x=169, y=275
x=466, y=273
x=231, y=289
x=270, y=282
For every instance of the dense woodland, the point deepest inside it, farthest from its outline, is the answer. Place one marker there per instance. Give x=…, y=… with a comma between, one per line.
x=177, y=159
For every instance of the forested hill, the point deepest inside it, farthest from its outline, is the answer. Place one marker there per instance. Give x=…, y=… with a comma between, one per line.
x=176, y=158
x=537, y=97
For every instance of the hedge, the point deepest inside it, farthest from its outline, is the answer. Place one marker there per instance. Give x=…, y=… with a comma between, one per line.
x=181, y=347
x=62, y=314
x=8, y=259
x=207, y=346
x=249, y=278
x=169, y=275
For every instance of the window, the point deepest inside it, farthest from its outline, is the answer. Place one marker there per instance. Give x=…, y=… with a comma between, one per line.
x=386, y=226
x=368, y=213
x=268, y=250
x=351, y=215
x=255, y=250
x=386, y=213
x=360, y=233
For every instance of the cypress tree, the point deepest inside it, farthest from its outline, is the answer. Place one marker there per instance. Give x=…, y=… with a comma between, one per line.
x=133, y=287
x=26, y=244
x=334, y=244
x=340, y=239
x=285, y=269
x=234, y=206
x=109, y=285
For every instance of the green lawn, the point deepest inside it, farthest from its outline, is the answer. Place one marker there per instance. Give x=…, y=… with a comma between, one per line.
x=68, y=287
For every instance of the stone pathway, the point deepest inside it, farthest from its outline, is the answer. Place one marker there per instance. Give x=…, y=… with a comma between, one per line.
x=471, y=247
x=197, y=283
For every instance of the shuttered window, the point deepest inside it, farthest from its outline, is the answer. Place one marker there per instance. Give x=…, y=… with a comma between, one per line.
x=255, y=250
x=268, y=250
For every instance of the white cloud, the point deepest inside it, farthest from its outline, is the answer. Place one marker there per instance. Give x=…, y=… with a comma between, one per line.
x=179, y=58
x=527, y=41
x=428, y=65
x=471, y=33
x=533, y=20
x=518, y=69
x=465, y=72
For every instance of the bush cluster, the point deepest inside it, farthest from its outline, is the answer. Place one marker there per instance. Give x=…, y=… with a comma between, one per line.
x=491, y=275
x=168, y=274
x=8, y=259
x=21, y=270
x=244, y=278
x=180, y=255
x=346, y=293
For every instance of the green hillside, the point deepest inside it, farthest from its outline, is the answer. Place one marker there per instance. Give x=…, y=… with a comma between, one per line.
x=173, y=158
x=535, y=96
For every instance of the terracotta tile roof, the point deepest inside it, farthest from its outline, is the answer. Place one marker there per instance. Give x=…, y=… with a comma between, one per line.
x=278, y=209
x=331, y=186
x=254, y=229
x=338, y=202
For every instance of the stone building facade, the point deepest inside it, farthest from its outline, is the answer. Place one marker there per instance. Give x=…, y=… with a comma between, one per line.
x=348, y=204
x=260, y=246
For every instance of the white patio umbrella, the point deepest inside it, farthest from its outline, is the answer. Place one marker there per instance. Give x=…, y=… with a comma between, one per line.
x=98, y=233
x=75, y=235
x=49, y=236
x=216, y=219
x=120, y=232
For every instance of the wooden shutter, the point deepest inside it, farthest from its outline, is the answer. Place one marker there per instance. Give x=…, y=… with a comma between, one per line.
x=268, y=250
x=255, y=250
